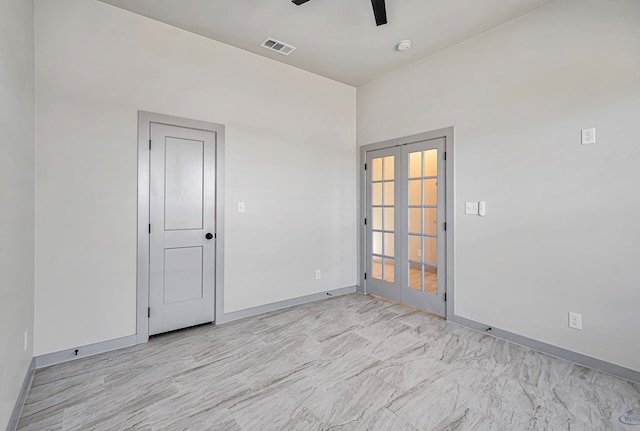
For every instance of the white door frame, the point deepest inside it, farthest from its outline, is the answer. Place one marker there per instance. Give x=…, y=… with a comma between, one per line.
x=145, y=119
x=447, y=134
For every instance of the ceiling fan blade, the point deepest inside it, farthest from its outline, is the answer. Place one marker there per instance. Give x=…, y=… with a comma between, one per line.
x=299, y=2
x=380, y=11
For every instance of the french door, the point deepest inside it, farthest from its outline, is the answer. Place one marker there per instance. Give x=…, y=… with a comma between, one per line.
x=405, y=206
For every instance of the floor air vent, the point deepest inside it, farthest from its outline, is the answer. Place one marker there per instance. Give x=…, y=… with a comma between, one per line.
x=276, y=45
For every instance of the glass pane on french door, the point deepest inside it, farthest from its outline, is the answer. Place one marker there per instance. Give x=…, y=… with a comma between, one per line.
x=423, y=221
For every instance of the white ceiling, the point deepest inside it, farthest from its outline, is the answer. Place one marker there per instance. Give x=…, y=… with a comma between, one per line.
x=336, y=38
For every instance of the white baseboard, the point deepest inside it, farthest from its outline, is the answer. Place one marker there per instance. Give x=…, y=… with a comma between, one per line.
x=255, y=311
x=84, y=351
x=551, y=350
x=118, y=343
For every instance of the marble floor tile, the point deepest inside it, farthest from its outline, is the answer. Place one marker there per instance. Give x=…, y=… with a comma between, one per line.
x=348, y=363
x=465, y=419
x=50, y=421
x=61, y=394
x=429, y=403
x=389, y=337
x=381, y=420
x=277, y=408
x=403, y=371
x=350, y=401
x=206, y=420
x=118, y=408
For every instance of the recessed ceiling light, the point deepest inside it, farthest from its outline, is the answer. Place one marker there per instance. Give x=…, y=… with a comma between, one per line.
x=403, y=45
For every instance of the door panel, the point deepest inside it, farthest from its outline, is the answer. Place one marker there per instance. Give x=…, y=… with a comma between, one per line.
x=182, y=274
x=405, y=236
x=424, y=202
x=184, y=184
x=382, y=190
x=182, y=212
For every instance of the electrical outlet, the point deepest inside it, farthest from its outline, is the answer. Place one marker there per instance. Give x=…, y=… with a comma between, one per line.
x=419, y=252
x=318, y=274
x=588, y=136
x=575, y=320
x=26, y=339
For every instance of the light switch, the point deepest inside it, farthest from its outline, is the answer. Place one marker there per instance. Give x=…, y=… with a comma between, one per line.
x=482, y=209
x=240, y=207
x=471, y=208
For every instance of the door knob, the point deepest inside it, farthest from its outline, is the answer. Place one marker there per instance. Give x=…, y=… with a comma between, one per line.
x=209, y=236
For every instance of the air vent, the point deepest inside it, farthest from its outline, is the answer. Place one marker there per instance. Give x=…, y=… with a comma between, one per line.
x=276, y=45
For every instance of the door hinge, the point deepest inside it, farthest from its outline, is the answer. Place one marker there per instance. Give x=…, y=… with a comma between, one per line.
x=445, y=155
x=365, y=221
x=365, y=166
x=445, y=226
x=149, y=144
x=445, y=297
x=365, y=275
x=148, y=312
x=149, y=227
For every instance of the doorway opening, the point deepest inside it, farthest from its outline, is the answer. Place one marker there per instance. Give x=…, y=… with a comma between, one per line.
x=407, y=201
x=180, y=223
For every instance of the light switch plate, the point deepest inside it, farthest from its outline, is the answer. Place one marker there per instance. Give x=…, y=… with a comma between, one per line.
x=240, y=207
x=471, y=208
x=588, y=136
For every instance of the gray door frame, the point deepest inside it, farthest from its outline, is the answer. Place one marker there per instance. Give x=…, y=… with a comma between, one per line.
x=145, y=119
x=448, y=135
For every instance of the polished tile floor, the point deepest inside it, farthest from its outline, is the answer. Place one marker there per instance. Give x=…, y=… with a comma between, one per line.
x=346, y=363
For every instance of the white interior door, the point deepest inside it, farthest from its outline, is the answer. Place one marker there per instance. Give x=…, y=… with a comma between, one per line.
x=182, y=230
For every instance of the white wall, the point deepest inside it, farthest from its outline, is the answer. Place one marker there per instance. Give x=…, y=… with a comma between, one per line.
x=290, y=155
x=16, y=198
x=562, y=228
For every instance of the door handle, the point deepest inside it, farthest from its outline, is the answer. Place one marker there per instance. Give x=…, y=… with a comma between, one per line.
x=209, y=235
